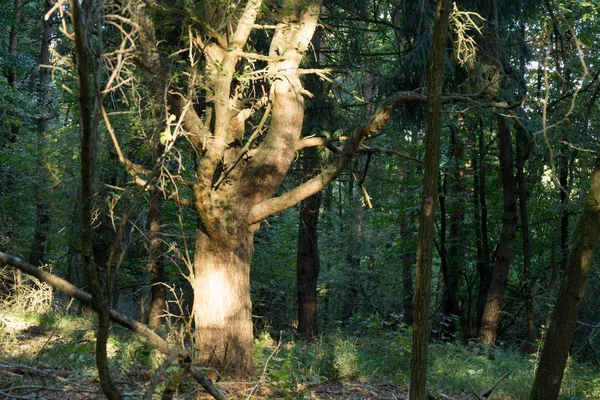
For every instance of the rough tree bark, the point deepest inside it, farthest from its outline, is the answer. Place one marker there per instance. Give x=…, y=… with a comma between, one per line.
x=549, y=375
x=490, y=320
x=435, y=79
x=224, y=243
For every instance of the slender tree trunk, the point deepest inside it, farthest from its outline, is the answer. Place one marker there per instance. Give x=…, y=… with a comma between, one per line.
x=407, y=262
x=490, y=321
x=354, y=253
x=308, y=265
x=563, y=176
x=42, y=225
x=88, y=144
x=435, y=79
x=522, y=154
x=549, y=375
x=481, y=234
x=455, y=249
x=158, y=302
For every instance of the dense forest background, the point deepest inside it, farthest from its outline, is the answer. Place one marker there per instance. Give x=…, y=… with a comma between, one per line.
x=515, y=191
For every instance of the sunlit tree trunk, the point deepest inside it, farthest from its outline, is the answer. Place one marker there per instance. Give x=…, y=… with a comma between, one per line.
x=435, y=79
x=230, y=211
x=222, y=306
x=549, y=375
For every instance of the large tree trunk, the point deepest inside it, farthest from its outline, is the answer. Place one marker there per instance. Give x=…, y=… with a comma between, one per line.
x=435, y=79
x=549, y=375
x=222, y=305
x=13, y=39
x=490, y=321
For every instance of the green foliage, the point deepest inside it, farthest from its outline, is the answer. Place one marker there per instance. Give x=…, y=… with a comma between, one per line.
x=337, y=357
x=475, y=368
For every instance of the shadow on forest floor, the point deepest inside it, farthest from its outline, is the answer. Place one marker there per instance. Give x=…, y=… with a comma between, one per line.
x=47, y=356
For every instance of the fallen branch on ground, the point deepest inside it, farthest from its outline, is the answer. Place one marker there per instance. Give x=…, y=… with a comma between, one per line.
x=140, y=329
x=486, y=395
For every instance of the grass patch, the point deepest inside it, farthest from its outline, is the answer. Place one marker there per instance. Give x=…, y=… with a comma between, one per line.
x=291, y=369
x=473, y=369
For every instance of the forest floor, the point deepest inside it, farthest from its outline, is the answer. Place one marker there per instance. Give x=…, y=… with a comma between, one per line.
x=43, y=356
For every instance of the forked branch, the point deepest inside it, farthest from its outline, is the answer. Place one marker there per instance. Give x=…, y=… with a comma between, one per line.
x=352, y=146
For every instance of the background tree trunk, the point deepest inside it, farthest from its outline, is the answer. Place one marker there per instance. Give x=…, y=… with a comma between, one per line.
x=452, y=268
x=407, y=265
x=308, y=266
x=522, y=155
x=158, y=302
x=490, y=321
x=41, y=86
x=481, y=232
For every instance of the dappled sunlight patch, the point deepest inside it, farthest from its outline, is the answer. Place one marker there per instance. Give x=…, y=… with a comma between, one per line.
x=581, y=381
x=15, y=323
